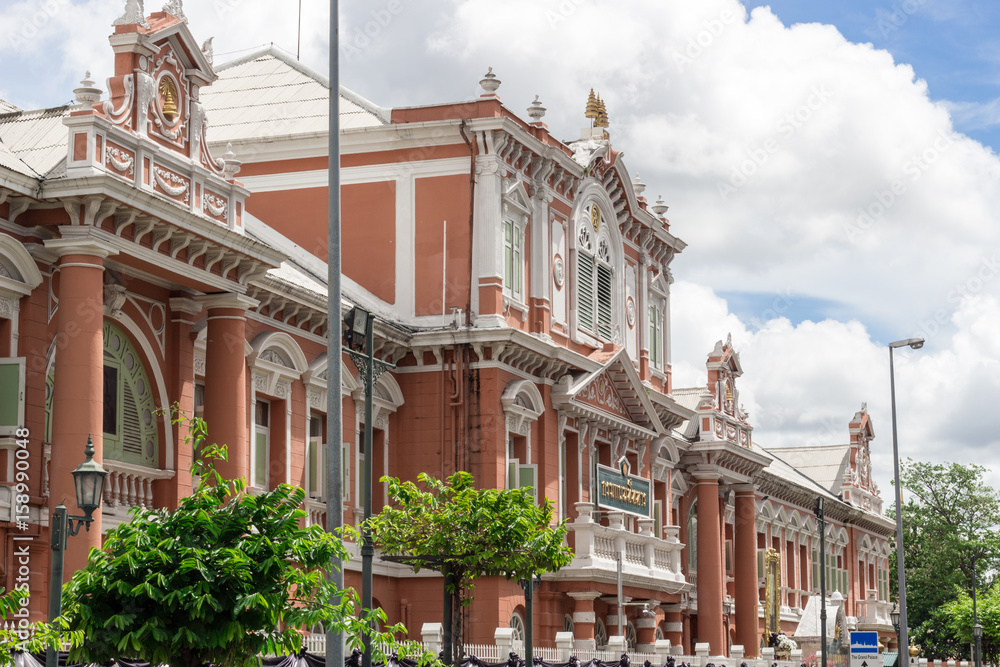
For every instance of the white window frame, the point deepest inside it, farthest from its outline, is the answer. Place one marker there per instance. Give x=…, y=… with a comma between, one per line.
x=656, y=334
x=513, y=249
x=260, y=430
x=316, y=460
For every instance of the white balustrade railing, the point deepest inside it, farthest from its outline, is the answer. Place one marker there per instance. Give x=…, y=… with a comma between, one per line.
x=644, y=556
x=130, y=485
x=316, y=510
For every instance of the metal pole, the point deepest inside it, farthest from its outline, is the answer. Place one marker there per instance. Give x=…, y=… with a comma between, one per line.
x=334, y=361
x=56, y=575
x=367, y=550
x=901, y=576
x=449, y=606
x=821, y=521
x=975, y=623
x=529, y=590
x=621, y=631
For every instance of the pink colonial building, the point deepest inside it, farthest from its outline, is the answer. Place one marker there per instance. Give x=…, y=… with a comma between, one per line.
x=164, y=241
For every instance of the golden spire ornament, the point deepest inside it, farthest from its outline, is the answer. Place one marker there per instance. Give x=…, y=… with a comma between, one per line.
x=602, y=114
x=593, y=108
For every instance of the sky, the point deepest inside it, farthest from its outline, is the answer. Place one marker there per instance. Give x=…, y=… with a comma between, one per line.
x=832, y=166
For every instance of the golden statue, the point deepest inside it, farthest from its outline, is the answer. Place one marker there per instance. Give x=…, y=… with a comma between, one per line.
x=772, y=601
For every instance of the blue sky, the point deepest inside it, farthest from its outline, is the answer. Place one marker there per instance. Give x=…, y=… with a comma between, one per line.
x=953, y=45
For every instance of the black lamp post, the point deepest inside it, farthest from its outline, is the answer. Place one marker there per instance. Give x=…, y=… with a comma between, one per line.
x=88, y=479
x=359, y=340
x=529, y=585
x=894, y=615
x=977, y=632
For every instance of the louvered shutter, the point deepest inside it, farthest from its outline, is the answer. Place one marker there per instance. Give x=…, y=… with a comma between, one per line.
x=585, y=293
x=604, y=301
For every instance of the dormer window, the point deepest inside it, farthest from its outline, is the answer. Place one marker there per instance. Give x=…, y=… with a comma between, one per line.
x=595, y=276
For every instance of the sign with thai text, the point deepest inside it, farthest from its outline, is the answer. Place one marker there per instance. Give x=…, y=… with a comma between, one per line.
x=617, y=490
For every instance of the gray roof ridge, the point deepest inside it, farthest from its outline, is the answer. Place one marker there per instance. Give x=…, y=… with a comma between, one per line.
x=277, y=52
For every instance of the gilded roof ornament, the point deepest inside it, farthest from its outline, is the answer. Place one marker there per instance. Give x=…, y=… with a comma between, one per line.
x=602, y=114
x=134, y=14
x=592, y=106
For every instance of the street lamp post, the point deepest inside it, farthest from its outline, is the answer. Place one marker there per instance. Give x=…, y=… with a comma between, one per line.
x=916, y=344
x=977, y=630
x=88, y=479
x=821, y=524
x=894, y=615
x=360, y=346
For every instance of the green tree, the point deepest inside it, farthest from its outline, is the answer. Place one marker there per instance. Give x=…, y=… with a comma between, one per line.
x=31, y=637
x=223, y=578
x=466, y=533
x=951, y=520
x=959, y=616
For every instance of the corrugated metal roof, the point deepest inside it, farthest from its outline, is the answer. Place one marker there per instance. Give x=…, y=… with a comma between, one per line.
x=37, y=138
x=269, y=94
x=7, y=107
x=10, y=161
x=826, y=464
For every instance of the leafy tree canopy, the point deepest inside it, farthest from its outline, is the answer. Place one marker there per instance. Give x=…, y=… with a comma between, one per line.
x=951, y=540
x=467, y=533
x=958, y=614
x=475, y=532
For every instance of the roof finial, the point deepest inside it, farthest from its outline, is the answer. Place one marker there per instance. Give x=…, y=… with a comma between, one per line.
x=593, y=108
x=134, y=14
x=602, y=114
x=659, y=208
x=638, y=186
x=86, y=93
x=490, y=83
x=176, y=9
x=536, y=111
x=208, y=50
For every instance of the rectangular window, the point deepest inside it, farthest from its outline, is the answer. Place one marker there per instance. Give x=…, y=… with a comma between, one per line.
x=513, y=259
x=815, y=568
x=262, y=437
x=110, y=399
x=655, y=337
x=316, y=473
x=11, y=394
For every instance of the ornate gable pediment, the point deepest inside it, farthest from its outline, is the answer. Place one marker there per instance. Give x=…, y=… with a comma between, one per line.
x=612, y=395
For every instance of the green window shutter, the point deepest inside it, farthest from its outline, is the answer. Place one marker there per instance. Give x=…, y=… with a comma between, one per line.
x=585, y=292
x=11, y=394
x=508, y=254
x=516, y=286
x=604, y=292
x=512, y=481
x=815, y=569
x=528, y=478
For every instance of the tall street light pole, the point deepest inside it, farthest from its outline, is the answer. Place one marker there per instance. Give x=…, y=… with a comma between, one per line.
x=334, y=362
x=977, y=630
x=916, y=344
x=360, y=339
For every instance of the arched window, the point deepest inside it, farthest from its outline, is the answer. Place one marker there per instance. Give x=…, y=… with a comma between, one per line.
x=130, y=429
x=595, y=275
x=600, y=634
x=568, y=624
x=129, y=419
x=630, y=637
x=517, y=625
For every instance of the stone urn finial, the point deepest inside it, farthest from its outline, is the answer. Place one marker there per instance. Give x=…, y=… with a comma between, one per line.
x=87, y=93
x=659, y=208
x=490, y=82
x=536, y=111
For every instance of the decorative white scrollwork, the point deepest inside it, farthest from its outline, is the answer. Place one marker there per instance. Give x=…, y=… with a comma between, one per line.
x=120, y=115
x=558, y=271
x=120, y=160
x=215, y=205
x=171, y=183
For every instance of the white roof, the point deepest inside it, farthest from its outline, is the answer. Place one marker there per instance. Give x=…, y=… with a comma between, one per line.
x=269, y=94
x=37, y=138
x=7, y=107
x=826, y=464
